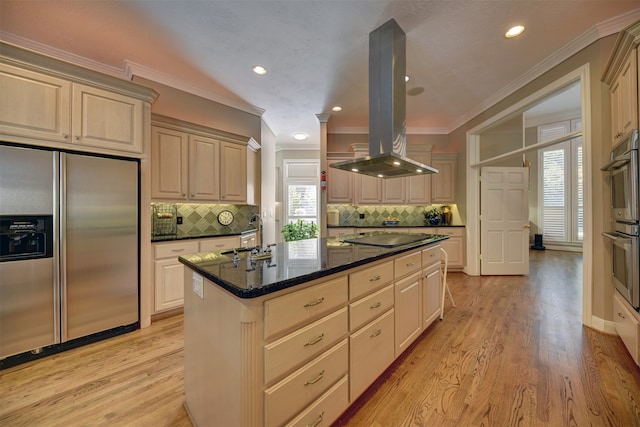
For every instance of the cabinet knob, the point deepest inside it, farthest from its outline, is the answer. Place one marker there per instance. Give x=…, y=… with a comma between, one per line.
x=621, y=315
x=76, y=137
x=65, y=135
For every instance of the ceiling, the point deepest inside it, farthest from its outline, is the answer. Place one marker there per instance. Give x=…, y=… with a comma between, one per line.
x=316, y=51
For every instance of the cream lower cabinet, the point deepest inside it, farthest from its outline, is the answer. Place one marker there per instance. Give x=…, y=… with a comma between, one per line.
x=169, y=273
x=627, y=324
x=408, y=318
x=431, y=285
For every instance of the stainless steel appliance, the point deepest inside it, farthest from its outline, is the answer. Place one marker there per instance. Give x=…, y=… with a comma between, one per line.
x=625, y=211
x=626, y=262
x=624, y=179
x=69, y=266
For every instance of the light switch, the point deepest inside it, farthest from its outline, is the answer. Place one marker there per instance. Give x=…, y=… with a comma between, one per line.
x=197, y=283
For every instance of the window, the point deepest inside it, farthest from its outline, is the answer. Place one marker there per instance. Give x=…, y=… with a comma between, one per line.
x=302, y=198
x=561, y=186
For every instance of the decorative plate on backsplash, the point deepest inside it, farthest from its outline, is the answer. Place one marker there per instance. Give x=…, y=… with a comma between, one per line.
x=225, y=217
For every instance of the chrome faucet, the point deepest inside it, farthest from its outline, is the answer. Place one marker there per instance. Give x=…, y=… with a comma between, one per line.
x=251, y=221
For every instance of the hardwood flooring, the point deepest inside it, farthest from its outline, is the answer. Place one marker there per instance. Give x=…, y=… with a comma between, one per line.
x=513, y=352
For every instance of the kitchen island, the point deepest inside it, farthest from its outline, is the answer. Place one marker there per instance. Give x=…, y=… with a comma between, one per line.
x=295, y=336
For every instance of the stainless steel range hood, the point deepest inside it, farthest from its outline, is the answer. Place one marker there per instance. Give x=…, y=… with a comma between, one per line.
x=387, y=101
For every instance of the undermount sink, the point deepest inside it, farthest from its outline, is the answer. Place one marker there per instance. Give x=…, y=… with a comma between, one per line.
x=387, y=240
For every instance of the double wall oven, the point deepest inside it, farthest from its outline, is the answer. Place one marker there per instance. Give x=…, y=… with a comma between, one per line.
x=625, y=213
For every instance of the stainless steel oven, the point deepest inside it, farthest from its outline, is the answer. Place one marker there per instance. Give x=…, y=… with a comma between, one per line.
x=626, y=261
x=624, y=179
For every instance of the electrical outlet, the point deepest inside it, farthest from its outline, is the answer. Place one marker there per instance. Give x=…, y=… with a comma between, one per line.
x=179, y=220
x=361, y=216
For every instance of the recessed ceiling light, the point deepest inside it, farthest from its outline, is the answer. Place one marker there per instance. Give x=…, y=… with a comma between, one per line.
x=337, y=108
x=259, y=69
x=514, y=31
x=300, y=136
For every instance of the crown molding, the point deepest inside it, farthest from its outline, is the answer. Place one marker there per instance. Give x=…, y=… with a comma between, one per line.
x=63, y=55
x=590, y=36
x=292, y=146
x=253, y=145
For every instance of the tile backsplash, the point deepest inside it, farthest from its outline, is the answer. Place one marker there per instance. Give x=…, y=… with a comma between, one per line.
x=199, y=219
x=409, y=216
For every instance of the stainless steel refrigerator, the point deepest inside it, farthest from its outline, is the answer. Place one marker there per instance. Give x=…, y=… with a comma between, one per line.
x=86, y=209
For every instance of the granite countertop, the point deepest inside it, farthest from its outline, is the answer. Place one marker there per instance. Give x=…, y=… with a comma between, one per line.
x=391, y=227
x=292, y=263
x=171, y=237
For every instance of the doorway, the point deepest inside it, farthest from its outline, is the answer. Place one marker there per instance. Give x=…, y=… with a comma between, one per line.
x=509, y=146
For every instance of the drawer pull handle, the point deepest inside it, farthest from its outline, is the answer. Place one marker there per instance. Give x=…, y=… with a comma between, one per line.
x=177, y=250
x=376, y=305
x=318, y=421
x=376, y=333
x=621, y=315
x=411, y=264
x=315, y=380
x=375, y=278
x=315, y=340
x=316, y=302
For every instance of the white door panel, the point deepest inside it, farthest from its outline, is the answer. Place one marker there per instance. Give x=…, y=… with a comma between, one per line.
x=504, y=221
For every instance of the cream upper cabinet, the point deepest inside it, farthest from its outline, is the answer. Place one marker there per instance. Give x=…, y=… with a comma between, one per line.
x=368, y=189
x=204, y=167
x=34, y=105
x=419, y=187
x=42, y=109
x=621, y=74
x=394, y=191
x=233, y=172
x=187, y=164
x=339, y=183
x=169, y=164
x=443, y=183
x=624, y=99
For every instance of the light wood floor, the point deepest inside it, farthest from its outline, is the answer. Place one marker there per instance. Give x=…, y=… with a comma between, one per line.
x=513, y=352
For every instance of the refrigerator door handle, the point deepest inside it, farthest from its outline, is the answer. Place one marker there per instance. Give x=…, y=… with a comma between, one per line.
x=63, y=245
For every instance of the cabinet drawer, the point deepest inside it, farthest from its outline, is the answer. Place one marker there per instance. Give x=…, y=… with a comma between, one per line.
x=372, y=351
x=431, y=256
x=167, y=250
x=292, y=394
x=327, y=409
x=627, y=326
x=407, y=264
x=362, y=282
x=302, y=345
x=300, y=307
x=219, y=243
x=360, y=312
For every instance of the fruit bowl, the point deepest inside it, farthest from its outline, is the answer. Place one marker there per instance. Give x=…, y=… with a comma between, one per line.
x=391, y=222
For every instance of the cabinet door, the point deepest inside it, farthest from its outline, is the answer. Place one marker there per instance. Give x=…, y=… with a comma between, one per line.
x=339, y=184
x=169, y=284
x=443, y=184
x=368, y=190
x=419, y=187
x=431, y=297
x=394, y=191
x=106, y=120
x=408, y=312
x=371, y=352
x=628, y=97
x=34, y=106
x=233, y=172
x=169, y=164
x=204, y=168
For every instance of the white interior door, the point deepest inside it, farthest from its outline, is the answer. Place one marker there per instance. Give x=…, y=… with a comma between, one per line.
x=504, y=221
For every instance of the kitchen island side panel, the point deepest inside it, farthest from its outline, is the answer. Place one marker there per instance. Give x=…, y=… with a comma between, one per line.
x=222, y=345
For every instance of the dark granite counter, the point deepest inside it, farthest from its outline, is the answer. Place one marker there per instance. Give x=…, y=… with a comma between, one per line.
x=172, y=237
x=291, y=263
x=391, y=227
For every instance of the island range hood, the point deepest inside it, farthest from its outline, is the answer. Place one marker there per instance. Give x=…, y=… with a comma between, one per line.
x=387, y=105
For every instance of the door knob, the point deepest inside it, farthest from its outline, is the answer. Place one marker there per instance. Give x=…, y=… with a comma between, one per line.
x=527, y=226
